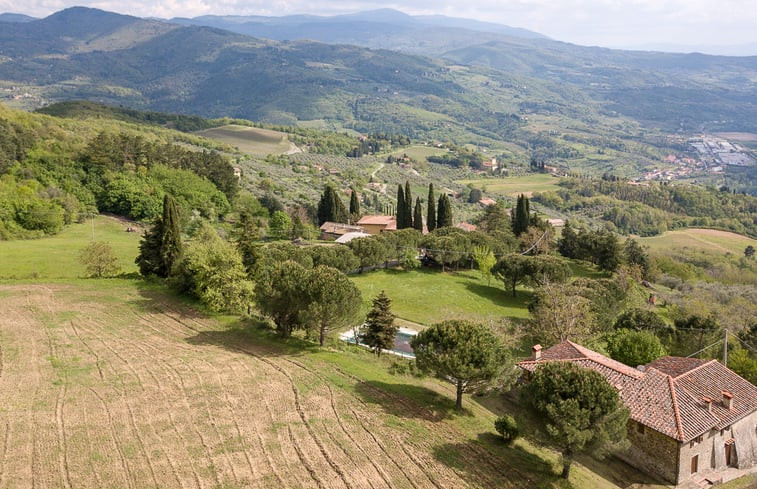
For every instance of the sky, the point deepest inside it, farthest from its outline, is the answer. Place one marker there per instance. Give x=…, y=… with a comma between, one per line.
x=610, y=23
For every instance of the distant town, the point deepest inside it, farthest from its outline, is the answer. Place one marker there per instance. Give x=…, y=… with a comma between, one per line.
x=706, y=154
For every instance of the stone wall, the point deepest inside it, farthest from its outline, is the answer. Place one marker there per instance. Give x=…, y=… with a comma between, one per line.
x=652, y=452
x=711, y=450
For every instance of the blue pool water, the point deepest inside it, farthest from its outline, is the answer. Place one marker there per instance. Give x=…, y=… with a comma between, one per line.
x=401, y=342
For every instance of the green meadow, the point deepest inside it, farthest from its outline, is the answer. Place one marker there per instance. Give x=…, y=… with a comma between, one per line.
x=428, y=296
x=528, y=184
x=58, y=256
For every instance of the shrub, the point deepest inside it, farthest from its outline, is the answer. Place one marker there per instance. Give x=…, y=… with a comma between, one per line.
x=507, y=427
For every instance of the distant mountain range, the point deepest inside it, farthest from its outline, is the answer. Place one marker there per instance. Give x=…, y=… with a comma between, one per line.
x=478, y=82
x=384, y=28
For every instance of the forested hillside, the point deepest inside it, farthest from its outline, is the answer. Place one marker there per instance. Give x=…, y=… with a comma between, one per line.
x=55, y=171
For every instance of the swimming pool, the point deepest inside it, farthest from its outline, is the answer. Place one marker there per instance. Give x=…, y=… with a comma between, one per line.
x=401, y=342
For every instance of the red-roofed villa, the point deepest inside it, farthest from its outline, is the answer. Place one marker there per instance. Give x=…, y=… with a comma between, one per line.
x=690, y=419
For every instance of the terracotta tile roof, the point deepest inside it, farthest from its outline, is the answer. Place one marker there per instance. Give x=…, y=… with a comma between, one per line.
x=710, y=380
x=668, y=395
x=675, y=366
x=339, y=228
x=465, y=226
x=377, y=219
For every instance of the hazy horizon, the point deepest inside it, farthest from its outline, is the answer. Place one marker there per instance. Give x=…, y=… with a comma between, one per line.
x=671, y=25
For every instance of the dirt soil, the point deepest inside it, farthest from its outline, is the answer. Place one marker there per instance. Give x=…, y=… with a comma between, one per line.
x=114, y=387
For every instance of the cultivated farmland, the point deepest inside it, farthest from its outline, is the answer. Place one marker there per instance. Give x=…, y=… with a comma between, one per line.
x=109, y=383
x=252, y=140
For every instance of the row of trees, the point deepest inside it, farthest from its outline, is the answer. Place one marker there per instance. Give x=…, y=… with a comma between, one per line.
x=438, y=213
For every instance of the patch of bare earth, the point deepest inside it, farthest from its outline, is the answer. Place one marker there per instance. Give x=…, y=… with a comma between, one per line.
x=122, y=389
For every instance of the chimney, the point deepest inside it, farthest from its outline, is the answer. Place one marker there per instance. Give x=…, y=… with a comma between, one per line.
x=708, y=403
x=536, y=349
x=727, y=400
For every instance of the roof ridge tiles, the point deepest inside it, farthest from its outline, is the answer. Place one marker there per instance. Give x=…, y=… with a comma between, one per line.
x=679, y=425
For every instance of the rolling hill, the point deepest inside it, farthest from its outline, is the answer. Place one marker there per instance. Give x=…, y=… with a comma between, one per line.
x=589, y=109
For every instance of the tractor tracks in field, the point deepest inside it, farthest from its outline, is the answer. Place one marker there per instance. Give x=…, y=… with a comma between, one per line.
x=420, y=466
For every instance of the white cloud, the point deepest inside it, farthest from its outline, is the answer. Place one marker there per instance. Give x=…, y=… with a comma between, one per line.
x=602, y=22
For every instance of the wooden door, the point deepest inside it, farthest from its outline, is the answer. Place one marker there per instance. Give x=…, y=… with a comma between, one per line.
x=728, y=451
x=694, y=464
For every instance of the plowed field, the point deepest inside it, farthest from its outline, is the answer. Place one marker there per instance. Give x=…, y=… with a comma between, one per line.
x=117, y=387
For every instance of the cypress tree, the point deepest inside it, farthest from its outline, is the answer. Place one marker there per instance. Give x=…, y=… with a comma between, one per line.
x=408, y=206
x=330, y=207
x=161, y=246
x=444, y=212
x=354, y=205
x=431, y=211
x=326, y=206
x=340, y=212
x=400, y=207
x=418, y=215
x=522, y=217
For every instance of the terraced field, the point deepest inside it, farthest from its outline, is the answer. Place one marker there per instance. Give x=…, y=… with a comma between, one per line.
x=108, y=384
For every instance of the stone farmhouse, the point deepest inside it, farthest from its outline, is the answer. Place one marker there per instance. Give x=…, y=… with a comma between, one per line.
x=690, y=419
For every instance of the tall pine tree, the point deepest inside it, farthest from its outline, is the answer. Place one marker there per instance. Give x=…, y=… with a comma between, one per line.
x=408, y=207
x=380, y=329
x=443, y=212
x=161, y=246
x=418, y=215
x=400, y=207
x=431, y=211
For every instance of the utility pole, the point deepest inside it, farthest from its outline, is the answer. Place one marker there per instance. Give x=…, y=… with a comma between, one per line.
x=725, y=349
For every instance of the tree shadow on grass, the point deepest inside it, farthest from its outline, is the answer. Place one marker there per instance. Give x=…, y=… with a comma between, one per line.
x=491, y=463
x=409, y=401
x=253, y=340
x=498, y=295
x=619, y=472
x=243, y=335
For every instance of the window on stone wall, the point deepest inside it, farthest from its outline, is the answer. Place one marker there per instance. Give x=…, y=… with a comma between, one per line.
x=640, y=428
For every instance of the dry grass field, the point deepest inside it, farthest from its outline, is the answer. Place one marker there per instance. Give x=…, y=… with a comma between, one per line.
x=111, y=384
x=252, y=140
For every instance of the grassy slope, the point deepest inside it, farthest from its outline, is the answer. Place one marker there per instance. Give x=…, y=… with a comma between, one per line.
x=417, y=410
x=707, y=240
x=539, y=182
x=58, y=256
x=252, y=140
x=454, y=294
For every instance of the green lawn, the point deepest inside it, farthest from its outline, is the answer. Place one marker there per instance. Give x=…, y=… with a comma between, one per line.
x=420, y=152
x=251, y=140
x=58, y=256
x=527, y=184
x=428, y=296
